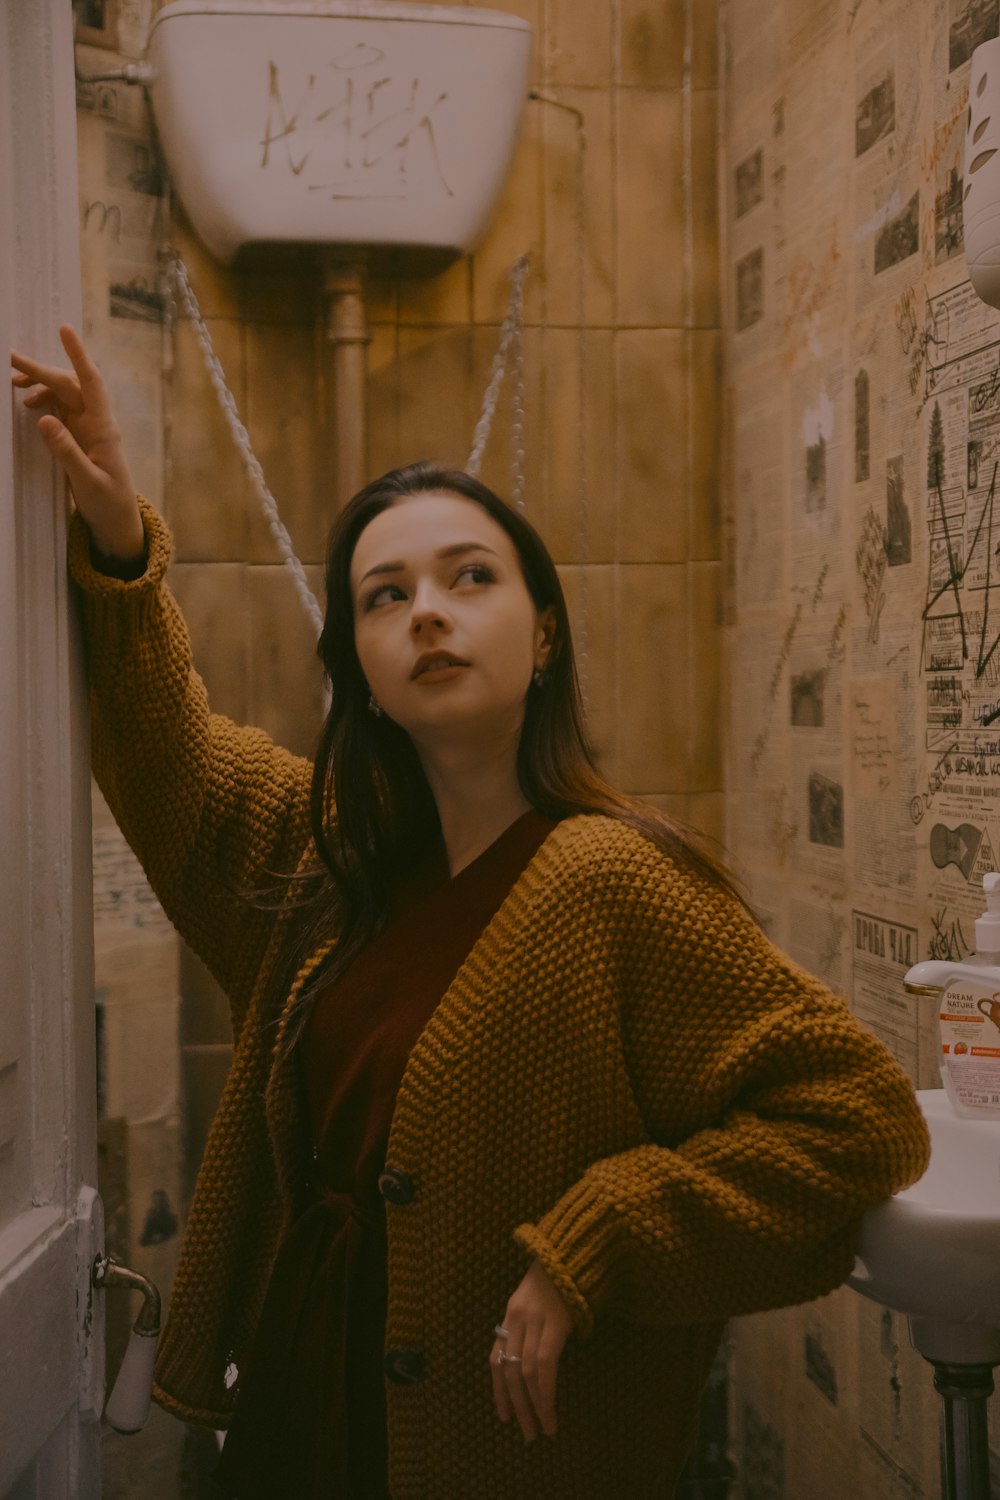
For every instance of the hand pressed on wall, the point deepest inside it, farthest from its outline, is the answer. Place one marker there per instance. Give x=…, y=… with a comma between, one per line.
x=79, y=429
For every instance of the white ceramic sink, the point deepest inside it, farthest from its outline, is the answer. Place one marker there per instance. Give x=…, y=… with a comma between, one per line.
x=933, y=1250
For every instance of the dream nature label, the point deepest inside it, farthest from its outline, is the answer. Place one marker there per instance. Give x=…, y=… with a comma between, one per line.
x=970, y=1045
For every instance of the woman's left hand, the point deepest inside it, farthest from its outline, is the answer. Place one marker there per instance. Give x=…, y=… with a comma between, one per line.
x=538, y=1323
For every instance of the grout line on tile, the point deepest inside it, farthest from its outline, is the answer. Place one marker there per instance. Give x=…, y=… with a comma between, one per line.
x=616, y=544
x=686, y=164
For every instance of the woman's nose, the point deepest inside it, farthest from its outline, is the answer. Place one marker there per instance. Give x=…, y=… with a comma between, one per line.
x=427, y=604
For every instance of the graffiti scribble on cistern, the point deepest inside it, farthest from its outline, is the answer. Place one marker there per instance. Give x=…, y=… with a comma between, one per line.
x=352, y=129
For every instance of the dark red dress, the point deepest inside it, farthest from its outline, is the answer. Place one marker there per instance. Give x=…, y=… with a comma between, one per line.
x=310, y=1419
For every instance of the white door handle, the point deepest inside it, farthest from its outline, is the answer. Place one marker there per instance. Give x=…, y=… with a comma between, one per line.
x=128, y=1405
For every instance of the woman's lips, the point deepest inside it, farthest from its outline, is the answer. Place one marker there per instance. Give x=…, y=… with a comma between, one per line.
x=436, y=674
x=436, y=656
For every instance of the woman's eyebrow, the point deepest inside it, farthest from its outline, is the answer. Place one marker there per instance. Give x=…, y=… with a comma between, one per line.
x=450, y=551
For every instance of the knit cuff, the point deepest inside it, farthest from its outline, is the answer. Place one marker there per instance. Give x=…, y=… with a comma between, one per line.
x=577, y=1244
x=81, y=554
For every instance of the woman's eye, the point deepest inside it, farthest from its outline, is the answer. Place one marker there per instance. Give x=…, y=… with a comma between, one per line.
x=387, y=593
x=375, y=597
x=477, y=568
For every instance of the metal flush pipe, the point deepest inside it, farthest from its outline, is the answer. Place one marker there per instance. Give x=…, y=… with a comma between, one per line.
x=138, y=72
x=345, y=361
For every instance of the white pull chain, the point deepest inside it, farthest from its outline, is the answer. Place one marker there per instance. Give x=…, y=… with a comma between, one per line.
x=511, y=339
x=177, y=275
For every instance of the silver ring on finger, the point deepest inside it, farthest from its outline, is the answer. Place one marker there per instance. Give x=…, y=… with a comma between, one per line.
x=503, y=1358
x=501, y=1332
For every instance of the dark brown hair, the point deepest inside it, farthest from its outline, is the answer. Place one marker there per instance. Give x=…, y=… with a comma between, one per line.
x=372, y=809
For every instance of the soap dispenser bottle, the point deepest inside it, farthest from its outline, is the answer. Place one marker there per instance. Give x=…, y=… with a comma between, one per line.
x=970, y=1019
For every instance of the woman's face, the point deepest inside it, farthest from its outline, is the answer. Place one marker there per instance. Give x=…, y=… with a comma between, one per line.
x=471, y=603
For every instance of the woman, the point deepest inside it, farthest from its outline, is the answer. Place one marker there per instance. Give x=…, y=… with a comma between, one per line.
x=522, y=1100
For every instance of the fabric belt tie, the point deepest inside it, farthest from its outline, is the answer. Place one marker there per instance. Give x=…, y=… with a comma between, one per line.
x=305, y=1319
x=346, y=1207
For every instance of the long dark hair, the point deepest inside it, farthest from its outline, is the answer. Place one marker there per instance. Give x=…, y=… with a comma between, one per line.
x=371, y=807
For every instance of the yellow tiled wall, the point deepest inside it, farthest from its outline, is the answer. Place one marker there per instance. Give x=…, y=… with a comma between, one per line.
x=627, y=501
x=649, y=348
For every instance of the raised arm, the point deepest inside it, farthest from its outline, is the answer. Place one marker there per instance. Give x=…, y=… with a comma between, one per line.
x=209, y=807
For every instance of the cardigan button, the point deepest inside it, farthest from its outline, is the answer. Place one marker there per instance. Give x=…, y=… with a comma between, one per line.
x=404, y=1366
x=396, y=1186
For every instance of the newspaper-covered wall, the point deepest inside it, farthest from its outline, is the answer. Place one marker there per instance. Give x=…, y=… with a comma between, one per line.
x=863, y=612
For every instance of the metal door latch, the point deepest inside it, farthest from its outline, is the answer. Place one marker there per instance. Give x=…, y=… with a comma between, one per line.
x=128, y=1405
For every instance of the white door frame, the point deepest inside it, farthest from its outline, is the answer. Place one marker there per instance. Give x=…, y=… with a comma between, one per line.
x=51, y=1324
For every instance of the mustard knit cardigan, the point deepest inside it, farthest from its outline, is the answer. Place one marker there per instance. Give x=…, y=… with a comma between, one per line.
x=625, y=1079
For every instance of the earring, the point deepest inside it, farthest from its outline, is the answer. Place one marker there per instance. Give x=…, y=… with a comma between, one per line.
x=373, y=706
x=538, y=677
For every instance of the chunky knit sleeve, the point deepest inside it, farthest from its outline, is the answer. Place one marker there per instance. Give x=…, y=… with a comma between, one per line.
x=775, y=1119
x=209, y=807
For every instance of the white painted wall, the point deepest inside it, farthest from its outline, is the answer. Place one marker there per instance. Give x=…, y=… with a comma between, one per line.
x=51, y=1330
